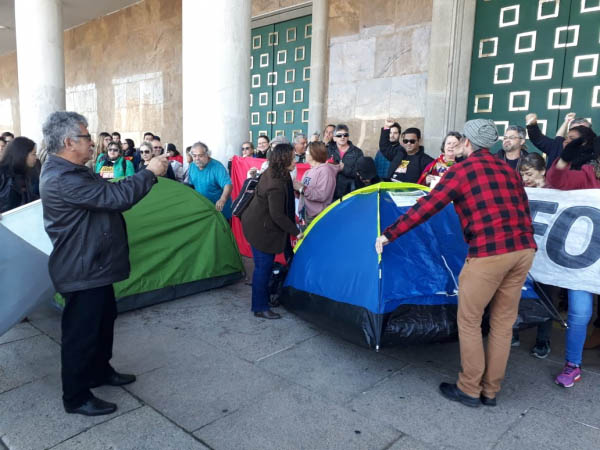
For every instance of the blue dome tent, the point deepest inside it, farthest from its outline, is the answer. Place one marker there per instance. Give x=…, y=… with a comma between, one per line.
x=406, y=295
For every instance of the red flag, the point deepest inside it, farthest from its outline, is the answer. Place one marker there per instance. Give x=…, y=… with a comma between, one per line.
x=239, y=170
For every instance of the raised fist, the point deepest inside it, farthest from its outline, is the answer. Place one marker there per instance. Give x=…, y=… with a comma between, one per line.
x=531, y=119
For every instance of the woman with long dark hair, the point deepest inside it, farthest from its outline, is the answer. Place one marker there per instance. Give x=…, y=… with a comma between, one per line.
x=18, y=177
x=267, y=224
x=128, y=147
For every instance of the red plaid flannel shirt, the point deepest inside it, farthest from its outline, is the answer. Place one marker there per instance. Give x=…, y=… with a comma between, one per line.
x=490, y=201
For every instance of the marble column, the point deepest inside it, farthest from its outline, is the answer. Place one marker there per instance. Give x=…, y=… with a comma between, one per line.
x=451, y=44
x=216, y=74
x=41, y=64
x=318, y=66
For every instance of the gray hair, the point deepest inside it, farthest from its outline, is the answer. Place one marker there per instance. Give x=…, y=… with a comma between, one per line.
x=580, y=121
x=298, y=136
x=519, y=129
x=59, y=126
x=201, y=145
x=146, y=145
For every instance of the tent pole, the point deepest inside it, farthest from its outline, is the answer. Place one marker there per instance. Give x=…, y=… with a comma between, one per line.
x=553, y=312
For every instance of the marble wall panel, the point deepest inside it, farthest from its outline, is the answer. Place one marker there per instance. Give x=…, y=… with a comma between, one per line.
x=391, y=37
x=408, y=95
x=412, y=12
x=344, y=17
x=342, y=100
x=373, y=99
x=377, y=12
x=260, y=7
x=9, y=94
x=127, y=56
x=352, y=61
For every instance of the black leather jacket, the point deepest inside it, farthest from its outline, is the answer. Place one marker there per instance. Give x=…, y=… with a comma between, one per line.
x=345, y=177
x=82, y=216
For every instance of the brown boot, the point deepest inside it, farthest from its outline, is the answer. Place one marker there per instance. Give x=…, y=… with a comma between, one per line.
x=593, y=340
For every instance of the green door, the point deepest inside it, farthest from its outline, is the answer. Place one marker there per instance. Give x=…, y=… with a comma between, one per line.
x=535, y=56
x=280, y=75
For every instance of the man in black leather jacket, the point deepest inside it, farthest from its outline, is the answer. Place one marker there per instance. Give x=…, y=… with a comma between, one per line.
x=82, y=216
x=343, y=152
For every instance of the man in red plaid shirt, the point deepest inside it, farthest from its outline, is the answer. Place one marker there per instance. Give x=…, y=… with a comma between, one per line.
x=492, y=206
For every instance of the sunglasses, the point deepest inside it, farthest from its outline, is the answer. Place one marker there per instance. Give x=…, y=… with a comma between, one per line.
x=342, y=135
x=145, y=152
x=409, y=141
x=246, y=148
x=157, y=148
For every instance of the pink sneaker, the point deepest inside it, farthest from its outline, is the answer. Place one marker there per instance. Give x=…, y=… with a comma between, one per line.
x=570, y=374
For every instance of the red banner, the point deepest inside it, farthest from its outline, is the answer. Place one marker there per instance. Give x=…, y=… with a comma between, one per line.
x=239, y=170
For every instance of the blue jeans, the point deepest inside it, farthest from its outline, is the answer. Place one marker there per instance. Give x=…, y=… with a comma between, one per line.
x=581, y=305
x=263, y=265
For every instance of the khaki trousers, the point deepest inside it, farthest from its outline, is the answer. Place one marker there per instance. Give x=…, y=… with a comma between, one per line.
x=495, y=280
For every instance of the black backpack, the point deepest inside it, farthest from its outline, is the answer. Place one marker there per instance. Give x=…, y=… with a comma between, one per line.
x=245, y=196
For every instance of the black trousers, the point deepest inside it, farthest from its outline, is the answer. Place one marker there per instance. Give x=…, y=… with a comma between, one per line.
x=87, y=339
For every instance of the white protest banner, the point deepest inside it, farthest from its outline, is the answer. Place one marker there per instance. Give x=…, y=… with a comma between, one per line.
x=566, y=226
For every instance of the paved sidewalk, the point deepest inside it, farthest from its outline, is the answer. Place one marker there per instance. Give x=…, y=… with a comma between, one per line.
x=211, y=375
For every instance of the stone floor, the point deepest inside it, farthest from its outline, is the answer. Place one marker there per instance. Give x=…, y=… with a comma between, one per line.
x=211, y=375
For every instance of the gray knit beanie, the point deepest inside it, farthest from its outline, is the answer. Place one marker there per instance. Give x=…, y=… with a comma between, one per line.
x=481, y=132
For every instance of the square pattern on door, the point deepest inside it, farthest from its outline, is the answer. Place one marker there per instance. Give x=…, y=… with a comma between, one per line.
x=280, y=76
x=538, y=56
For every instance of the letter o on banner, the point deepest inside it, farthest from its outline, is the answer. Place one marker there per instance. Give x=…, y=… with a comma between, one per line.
x=557, y=238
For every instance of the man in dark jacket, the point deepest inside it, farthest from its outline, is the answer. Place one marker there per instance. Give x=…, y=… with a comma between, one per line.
x=389, y=137
x=82, y=216
x=513, y=146
x=343, y=152
x=408, y=158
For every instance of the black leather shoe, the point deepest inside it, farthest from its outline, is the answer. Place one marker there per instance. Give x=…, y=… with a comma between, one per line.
x=268, y=314
x=452, y=392
x=93, y=407
x=115, y=379
x=487, y=401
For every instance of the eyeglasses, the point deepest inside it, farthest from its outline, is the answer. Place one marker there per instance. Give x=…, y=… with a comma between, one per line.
x=145, y=152
x=409, y=141
x=342, y=135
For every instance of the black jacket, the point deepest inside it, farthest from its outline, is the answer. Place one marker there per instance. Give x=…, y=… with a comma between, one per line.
x=385, y=146
x=418, y=162
x=551, y=147
x=395, y=154
x=82, y=216
x=502, y=155
x=345, y=177
x=17, y=190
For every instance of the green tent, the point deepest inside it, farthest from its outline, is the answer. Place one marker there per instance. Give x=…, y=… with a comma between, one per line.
x=179, y=244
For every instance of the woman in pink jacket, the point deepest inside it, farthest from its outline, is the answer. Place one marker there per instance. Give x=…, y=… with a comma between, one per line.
x=318, y=184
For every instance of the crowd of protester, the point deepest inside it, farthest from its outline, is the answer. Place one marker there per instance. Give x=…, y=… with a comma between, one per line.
x=284, y=206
